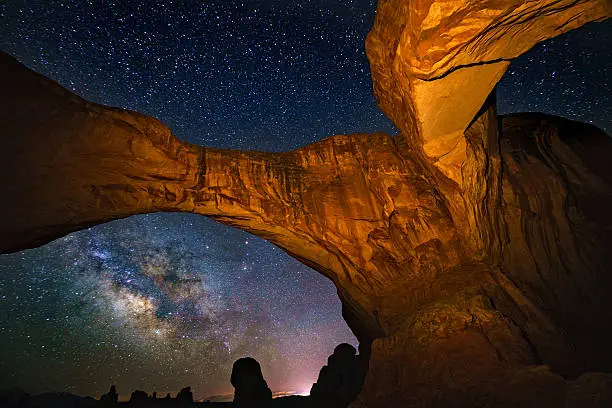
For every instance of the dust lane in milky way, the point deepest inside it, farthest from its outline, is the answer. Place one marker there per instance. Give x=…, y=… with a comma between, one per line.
x=161, y=301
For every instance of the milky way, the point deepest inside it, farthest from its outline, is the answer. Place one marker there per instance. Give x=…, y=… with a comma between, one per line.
x=161, y=301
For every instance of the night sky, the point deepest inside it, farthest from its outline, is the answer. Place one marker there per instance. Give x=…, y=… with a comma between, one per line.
x=161, y=301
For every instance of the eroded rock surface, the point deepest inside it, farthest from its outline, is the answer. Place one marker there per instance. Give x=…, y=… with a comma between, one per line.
x=434, y=62
x=484, y=285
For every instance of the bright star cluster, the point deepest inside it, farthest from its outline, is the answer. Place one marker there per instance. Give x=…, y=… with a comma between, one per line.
x=161, y=301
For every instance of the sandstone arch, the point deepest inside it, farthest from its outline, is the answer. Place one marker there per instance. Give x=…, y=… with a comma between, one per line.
x=472, y=255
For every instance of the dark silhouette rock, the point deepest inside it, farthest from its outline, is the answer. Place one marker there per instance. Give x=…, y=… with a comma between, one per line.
x=294, y=401
x=111, y=397
x=340, y=381
x=250, y=387
x=139, y=397
x=185, y=396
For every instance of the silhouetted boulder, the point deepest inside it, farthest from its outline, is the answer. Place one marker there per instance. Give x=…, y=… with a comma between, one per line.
x=340, y=380
x=139, y=397
x=251, y=389
x=111, y=397
x=185, y=396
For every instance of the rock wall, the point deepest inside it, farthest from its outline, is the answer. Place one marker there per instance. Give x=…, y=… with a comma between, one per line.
x=478, y=277
x=522, y=325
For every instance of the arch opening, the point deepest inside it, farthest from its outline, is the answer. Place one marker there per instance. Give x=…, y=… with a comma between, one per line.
x=161, y=301
x=551, y=80
x=245, y=112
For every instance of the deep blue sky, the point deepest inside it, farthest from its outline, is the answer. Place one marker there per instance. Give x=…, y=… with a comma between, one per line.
x=160, y=301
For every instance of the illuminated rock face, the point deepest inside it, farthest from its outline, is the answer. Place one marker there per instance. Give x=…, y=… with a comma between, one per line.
x=435, y=61
x=483, y=283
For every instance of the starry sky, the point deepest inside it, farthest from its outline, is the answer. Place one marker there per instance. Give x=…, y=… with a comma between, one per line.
x=161, y=301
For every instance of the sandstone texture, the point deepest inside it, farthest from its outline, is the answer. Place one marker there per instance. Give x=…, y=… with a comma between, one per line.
x=434, y=62
x=479, y=281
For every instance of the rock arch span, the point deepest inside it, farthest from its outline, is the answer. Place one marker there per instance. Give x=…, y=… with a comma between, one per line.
x=469, y=252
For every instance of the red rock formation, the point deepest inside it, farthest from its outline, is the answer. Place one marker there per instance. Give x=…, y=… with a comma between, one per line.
x=476, y=278
x=435, y=61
